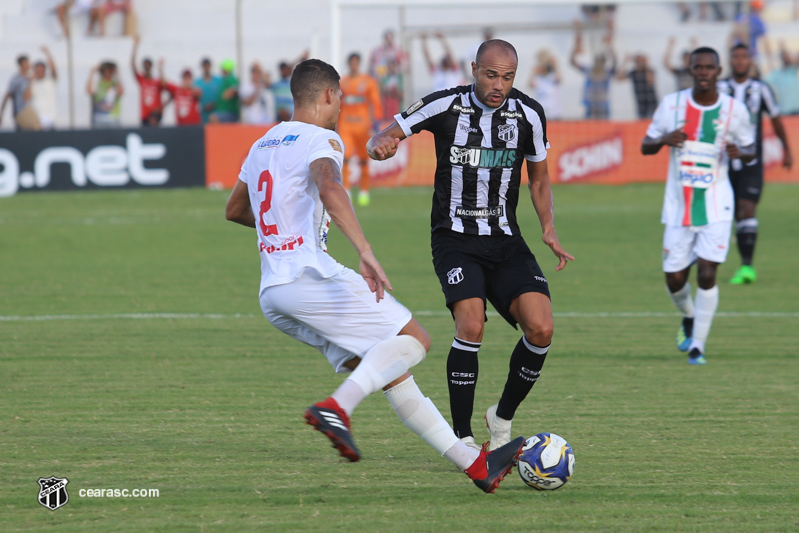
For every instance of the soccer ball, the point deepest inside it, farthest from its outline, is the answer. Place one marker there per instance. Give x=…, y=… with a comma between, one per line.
x=546, y=461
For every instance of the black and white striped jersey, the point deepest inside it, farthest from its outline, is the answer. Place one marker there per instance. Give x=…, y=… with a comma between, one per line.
x=759, y=99
x=479, y=153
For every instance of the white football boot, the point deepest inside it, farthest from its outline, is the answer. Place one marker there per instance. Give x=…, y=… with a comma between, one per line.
x=499, y=428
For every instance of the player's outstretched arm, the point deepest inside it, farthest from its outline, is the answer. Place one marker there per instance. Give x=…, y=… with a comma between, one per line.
x=334, y=197
x=541, y=194
x=238, y=208
x=384, y=144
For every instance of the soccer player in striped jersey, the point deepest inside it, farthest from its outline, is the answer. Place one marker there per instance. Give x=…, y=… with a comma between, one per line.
x=747, y=180
x=704, y=129
x=483, y=133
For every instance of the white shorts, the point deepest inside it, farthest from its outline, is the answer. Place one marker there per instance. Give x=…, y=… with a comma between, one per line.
x=682, y=245
x=81, y=6
x=338, y=315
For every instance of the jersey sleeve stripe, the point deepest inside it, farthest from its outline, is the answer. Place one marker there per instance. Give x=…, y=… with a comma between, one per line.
x=410, y=123
x=540, y=144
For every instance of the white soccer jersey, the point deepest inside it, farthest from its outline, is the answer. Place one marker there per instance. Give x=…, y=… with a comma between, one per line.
x=698, y=189
x=290, y=220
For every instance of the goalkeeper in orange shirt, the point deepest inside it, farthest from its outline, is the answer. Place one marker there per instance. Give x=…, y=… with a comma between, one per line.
x=361, y=109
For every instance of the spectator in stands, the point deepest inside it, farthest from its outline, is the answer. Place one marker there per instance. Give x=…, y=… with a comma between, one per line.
x=150, y=89
x=749, y=29
x=107, y=7
x=226, y=109
x=392, y=88
x=685, y=11
x=598, y=13
x=77, y=7
x=446, y=73
x=384, y=54
x=210, y=86
x=186, y=97
x=43, y=89
x=106, y=96
x=682, y=74
x=643, y=79
x=281, y=90
x=785, y=82
x=19, y=92
x=597, y=77
x=253, y=96
x=471, y=53
x=545, y=82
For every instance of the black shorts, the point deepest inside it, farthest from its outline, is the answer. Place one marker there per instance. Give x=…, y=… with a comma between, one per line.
x=747, y=183
x=496, y=268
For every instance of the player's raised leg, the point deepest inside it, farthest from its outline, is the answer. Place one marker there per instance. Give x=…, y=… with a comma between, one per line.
x=421, y=416
x=383, y=364
x=533, y=312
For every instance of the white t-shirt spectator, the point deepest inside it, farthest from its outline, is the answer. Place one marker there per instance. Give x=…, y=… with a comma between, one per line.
x=547, y=92
x=445, y=79
x=43, y=98
x=258, y=111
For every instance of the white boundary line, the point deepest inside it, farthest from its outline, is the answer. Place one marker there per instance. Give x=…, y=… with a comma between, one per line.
x=438, y=313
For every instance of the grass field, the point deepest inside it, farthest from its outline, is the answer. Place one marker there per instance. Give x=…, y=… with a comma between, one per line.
x=133, y=355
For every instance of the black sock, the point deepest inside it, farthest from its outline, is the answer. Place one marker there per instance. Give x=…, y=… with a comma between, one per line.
x=746, y=235
x=462, y=381
x=688, y=326
x=525, y=366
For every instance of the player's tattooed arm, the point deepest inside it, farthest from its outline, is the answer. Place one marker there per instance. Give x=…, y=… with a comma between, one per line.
x=541, y=194
x=384, y=144
x=327, y=176
x=238, y=208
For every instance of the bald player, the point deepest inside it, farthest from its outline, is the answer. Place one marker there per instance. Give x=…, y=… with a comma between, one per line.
x=484, y=132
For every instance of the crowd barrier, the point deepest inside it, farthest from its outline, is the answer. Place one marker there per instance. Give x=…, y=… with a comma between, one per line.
x=581, y=152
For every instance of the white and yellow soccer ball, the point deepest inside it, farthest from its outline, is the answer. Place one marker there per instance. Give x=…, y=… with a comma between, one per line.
x=546, y=461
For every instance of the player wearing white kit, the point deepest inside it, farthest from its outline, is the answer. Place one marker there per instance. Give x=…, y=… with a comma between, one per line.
x=289, y=189
x=704, y=129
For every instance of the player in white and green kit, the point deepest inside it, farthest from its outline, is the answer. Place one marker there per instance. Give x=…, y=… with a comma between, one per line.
x=703, y=129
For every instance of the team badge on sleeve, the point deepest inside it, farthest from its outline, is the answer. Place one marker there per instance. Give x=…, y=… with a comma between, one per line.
x=414, y=106
x=336, y=145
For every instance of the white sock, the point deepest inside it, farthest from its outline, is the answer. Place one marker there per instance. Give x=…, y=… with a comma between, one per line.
x=461, y=455
x=348, y=396
x=706, y=303
x=386, y=361
x=682, y=299
x=422, y=417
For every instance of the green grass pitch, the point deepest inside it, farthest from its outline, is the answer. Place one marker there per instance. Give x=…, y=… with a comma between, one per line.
x=133, y=355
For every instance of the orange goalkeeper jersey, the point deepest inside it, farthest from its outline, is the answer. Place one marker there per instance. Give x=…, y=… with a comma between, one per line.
x=360, y=93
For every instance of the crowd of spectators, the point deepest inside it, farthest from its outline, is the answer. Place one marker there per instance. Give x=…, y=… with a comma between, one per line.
x=218, y=96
